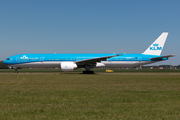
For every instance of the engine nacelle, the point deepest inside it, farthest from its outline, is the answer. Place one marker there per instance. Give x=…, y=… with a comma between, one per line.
x=68, y=66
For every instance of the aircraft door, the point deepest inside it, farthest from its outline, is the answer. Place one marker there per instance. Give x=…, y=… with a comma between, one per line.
x=78, y=58
x=109, y=60
x=41, y=59
x=40, y=63
x=17, y=59
x=139, y=59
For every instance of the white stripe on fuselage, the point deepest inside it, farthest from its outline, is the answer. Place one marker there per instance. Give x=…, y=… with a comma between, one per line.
x=118, y=64
x=108, y=64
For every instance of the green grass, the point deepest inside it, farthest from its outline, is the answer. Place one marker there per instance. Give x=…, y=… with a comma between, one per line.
x=78, y=96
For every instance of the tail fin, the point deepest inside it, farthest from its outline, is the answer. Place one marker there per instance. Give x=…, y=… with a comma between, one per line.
x=157, y=46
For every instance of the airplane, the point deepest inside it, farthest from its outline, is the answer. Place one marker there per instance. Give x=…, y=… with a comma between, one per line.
x=70, y=62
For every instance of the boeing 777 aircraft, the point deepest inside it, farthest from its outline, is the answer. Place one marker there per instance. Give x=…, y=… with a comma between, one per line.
x=70, y=62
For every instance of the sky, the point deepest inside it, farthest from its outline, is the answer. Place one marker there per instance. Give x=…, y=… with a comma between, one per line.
x=88, y=26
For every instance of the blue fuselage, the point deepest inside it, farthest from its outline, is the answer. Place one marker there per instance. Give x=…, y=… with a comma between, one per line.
x=54, y=60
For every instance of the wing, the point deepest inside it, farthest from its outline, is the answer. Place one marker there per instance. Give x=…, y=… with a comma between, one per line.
x=94, y=60
x=167, y=56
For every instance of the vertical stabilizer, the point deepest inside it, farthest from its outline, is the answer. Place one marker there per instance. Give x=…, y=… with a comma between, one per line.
x=157, y=46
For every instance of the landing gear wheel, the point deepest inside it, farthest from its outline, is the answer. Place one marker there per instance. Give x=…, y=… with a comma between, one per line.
x=88, y=72
x=16, y=71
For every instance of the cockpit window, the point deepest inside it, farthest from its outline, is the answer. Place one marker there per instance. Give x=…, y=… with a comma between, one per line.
x=8, y=59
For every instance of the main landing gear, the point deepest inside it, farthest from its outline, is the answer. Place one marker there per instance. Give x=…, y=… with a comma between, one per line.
x=88, y=71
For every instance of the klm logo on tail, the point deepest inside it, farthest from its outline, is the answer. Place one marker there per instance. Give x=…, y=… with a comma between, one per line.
x=155, y=47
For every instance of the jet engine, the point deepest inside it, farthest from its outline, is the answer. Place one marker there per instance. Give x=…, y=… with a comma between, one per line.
x=68, y=66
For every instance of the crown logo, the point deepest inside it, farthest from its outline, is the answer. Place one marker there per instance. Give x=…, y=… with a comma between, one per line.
x=155, y=44
x=24, y=57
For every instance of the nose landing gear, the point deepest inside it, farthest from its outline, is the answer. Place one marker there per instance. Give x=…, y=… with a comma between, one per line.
x=16, y=71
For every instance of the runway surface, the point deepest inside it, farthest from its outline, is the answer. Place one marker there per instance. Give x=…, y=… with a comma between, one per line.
x=96, y=73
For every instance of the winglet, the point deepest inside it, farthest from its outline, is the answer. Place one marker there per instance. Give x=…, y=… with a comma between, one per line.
x=157, y=46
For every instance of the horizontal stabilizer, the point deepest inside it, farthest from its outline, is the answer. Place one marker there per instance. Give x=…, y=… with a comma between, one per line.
x=167, y=56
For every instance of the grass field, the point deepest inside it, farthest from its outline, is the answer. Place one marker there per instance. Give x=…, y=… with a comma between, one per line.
x=78, y=96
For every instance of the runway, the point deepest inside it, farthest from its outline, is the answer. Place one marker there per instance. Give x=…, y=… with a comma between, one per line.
x=94, y=74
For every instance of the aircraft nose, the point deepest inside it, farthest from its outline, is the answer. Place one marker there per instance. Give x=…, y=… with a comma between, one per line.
x=5, y=61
